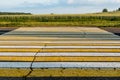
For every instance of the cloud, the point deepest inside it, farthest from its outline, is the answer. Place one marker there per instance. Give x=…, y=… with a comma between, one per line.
x=17, y=3
x=43, y=2
x=70, y=1
x=58, y=6
x=104, y=1
x=13, y=3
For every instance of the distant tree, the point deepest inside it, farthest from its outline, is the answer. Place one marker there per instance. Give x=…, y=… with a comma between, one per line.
x=118, y=9
x=105, y=10
x=52, y=13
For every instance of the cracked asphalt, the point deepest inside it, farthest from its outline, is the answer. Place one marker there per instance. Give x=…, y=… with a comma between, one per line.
x=30, y=53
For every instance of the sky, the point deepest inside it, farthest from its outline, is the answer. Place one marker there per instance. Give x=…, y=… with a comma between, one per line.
x=58, y=6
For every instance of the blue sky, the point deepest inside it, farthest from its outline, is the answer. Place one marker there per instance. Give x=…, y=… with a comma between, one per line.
x=58, y=6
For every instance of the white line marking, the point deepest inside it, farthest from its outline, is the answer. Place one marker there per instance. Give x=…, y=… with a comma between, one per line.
x=60, y=47
x=60, y=65
x=78, y=54
x=16, y=54
x=15, y=64
x=70, y=42
x=76, y=65
x=57, y=54
x=82, y=47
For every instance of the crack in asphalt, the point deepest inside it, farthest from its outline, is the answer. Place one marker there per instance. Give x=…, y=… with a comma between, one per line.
x=31, y=69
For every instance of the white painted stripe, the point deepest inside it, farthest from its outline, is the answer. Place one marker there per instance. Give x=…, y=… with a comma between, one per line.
x=16, y=54
x=60, y=47
x=57, y=54
x=15, y=64
x=82, y=47
x=76, y=65
x=60, y=65
x=78, y=54
x=21, y=46
x=70, y=42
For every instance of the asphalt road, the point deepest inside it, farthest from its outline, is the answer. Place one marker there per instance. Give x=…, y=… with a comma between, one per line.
x=64, y=51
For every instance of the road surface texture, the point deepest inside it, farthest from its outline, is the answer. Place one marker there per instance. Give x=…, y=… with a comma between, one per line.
x=28, y=52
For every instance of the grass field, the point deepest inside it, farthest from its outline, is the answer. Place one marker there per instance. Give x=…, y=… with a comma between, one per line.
x=110, y=19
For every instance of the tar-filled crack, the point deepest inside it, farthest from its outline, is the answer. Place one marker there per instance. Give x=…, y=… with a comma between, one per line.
x=31, y=69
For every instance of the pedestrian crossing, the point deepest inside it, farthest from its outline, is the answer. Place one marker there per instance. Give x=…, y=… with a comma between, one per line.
x=53, y=52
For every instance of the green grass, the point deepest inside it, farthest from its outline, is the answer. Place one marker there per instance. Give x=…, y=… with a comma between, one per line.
x=110, y=19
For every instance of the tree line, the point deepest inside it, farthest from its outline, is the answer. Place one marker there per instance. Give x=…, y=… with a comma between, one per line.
x=106, y=10
x=14, y=13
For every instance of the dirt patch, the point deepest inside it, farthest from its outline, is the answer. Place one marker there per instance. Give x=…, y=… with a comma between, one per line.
x=115, y=30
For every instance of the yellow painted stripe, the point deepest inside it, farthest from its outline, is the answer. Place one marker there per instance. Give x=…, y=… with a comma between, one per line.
x=16, y=37
x=82, y=44
x=57, y=50
x=72, y=59
x=60, y=59
x=24, y=38
x=80, y=50
x=19, y=50
x=59, y=72
x=9, y=72
x=75, y=73
x=9, y=58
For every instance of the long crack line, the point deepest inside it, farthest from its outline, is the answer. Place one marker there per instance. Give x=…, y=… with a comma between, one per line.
x=31, y=69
